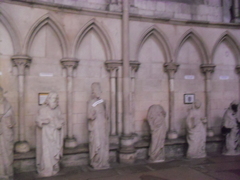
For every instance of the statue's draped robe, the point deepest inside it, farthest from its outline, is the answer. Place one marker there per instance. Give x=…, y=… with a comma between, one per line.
x=232, y=138
x=158, y=135
x=98, y=134
x=49, y=141
x=6, y=139
x=196, y=135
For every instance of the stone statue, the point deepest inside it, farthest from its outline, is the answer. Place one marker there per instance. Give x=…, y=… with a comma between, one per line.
x=231, y=129
x=156, y=119
x=6, y=138
x=196, y=132
x=49, y=137
x=98, y=127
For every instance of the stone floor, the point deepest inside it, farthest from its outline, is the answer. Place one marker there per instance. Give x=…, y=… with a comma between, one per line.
x=211, y=168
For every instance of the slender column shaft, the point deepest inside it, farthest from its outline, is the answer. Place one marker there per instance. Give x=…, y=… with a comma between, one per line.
x=69, y=102
x=113, y=101
x=126, y=84
x=171, y=69
x=208, y=69
x=21, y=62
x=120, y=105
x=69, y=64
x=21, y=105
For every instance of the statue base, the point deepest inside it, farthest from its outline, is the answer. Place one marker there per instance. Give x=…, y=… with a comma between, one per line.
x=172, y=135
x=127, y=154
x=210, y=133
x=22, y=147
x=70, y=143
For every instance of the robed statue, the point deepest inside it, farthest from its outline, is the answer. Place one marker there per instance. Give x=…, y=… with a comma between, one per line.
x=196, y=132
x=49, y=137
x=231, y=130
x=6, y=138
x=98, y=126
x=156, y=119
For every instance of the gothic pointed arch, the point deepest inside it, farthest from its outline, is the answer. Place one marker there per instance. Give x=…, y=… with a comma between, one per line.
x=6, y=21
x=46, y=19
x=230, y=40
x=198, y=42
x=101, y=33
x=161, y=39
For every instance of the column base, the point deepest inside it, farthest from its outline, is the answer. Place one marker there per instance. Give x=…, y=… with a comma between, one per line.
x=127, y=154
x=70, y=143
x=210, y=133
x=114, y=139
x=172, y=135
x=22, y=147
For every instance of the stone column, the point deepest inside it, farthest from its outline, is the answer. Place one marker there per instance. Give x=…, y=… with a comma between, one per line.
x=69, y=64
x=127, y=150
x=236, y=11
x=238, y=72
x=208, y=69
x=171, y=68
x=134, y=67
x=112, y=67
x=21, y=62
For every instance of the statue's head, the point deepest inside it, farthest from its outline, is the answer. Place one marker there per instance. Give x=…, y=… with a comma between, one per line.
x=197, y=104
x=96, y=90
x=156, y=111
x=234, y=105
x=52, y=100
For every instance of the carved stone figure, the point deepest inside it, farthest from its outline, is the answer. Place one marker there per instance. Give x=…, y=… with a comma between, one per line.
x=196, y=132
x=49, y=136
x=6, y=138
x=98, y=127
x=156, y=119
x=231, y=130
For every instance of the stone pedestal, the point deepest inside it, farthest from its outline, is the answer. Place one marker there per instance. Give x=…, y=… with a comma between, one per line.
x=127, y=153
x=171, y=69
x=21, y=62
x=208, y=69
x=69, y=64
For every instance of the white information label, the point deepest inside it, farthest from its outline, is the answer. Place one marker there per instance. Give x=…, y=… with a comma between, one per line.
x=42, y=98
x=0, y=73
x=189, y=77
x=223, y=77
x=46, y=74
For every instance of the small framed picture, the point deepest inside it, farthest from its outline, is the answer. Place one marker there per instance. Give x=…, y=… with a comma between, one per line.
x=189, y=98
x=42, y=98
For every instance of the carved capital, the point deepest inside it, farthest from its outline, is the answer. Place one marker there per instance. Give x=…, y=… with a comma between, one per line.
x=134, y=65
x=113, y=64
x=207, y=69
x=69, y=64
x=21, y=62
x=171, y=68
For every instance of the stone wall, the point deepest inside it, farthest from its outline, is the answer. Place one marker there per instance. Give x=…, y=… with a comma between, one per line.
x=49, y=33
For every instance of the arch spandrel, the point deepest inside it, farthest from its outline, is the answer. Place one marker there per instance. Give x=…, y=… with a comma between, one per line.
x=228, y=38
x=93, y=25
x=161, y=39
x=198, y=42
x=47, y=19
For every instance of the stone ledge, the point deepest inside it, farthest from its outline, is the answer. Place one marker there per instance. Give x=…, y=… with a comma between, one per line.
x=180, y=140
